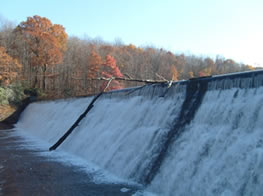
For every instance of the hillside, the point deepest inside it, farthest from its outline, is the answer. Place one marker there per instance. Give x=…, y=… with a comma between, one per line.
x=40, y=54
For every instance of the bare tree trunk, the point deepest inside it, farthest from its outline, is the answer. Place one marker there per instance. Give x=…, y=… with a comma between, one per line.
x=44, y=69
x=35, y=78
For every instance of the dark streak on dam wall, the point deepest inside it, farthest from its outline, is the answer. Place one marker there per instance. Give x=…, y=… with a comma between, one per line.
x=195, y=92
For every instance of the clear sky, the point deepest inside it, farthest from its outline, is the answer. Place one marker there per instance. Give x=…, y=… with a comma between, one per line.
x=231, y=28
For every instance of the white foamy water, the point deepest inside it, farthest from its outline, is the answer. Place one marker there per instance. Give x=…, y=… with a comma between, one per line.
x=50, y=120
x=220, y=152
x=114, y=135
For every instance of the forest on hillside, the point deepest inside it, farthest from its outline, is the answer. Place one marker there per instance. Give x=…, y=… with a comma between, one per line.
x=39, y=54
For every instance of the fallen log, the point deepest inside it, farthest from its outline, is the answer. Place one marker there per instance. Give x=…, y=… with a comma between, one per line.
x=147, y=81
x=62, y=139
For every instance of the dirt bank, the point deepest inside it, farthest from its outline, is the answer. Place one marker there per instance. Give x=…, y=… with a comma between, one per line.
x=5, y=111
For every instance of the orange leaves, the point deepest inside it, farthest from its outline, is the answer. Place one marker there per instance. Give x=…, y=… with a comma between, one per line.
x=95, y=62
x=9, y=67
x=46, y=41
x=190, y=74
x=174, y=73
x=45, y=44
x=111, y=67
x=58, y=31
x=110, y=70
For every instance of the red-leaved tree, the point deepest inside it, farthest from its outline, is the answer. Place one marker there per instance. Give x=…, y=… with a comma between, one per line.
x=110, y=70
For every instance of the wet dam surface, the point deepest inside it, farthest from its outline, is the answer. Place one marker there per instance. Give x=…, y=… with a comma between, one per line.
x=24, y=172
x=197, y=137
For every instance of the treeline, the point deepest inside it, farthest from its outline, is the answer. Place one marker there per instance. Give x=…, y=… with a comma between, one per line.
x=39, y=54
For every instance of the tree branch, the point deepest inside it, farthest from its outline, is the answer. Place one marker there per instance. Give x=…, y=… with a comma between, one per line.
x=161, y=77
x=148, y=81
x=108, y=84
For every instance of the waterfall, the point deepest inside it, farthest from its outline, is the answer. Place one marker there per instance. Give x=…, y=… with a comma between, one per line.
x=197, y=137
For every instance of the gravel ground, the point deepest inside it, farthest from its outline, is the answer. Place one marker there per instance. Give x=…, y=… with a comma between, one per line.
x=24, y=172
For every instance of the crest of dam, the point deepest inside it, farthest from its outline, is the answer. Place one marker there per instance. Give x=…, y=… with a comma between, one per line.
x=201, y=136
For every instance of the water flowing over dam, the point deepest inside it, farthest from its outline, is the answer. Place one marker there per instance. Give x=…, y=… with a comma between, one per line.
x=196, y=137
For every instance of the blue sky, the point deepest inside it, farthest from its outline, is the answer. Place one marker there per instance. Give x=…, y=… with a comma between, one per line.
x=231, y=28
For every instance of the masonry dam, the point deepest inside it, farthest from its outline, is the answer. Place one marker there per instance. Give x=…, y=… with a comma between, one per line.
x=196, y=137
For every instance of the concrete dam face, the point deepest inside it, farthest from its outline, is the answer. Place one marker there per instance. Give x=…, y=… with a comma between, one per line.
x=195, y=137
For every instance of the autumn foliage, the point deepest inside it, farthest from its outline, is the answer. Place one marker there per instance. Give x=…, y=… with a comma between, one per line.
x=110, y=70
x=94, y=64
x=9, y=68
x=46, y=42
x=62, y=66
x=174, y=73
